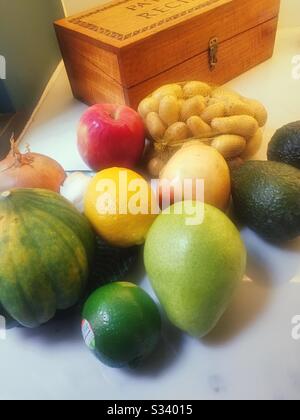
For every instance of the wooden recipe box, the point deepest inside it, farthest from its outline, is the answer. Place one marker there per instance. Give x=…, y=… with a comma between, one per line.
x=123, y=50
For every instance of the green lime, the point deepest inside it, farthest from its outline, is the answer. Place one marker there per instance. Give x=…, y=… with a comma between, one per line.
x=121, y=324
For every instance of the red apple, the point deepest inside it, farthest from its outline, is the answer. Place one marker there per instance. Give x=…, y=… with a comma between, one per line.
x=111, y=135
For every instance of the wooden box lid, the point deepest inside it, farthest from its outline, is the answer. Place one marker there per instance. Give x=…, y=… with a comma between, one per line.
x=120, y=23
x=151, y=36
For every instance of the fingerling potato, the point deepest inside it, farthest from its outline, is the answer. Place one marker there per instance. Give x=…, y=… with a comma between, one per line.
x=148, y=105
x=155, y=126
x=241, y=125
x=177, y=132
x=198, y=127
x=192, y=106
x=169, y=110
x=194, y=88
x=216, y=110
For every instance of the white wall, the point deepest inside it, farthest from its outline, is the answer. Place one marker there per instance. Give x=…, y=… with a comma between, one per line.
x=75, y=6
x=289, y=16
x=290, y=13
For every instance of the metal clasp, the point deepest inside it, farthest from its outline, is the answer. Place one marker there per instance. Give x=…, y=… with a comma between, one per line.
x=213, y=53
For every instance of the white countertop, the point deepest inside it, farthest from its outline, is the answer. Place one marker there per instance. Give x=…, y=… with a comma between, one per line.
x=251, y=354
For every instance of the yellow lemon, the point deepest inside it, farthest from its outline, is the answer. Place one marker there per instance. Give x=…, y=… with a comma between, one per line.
x=121, y=206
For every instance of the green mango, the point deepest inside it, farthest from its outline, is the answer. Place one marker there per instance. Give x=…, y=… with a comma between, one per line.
x=194, y=268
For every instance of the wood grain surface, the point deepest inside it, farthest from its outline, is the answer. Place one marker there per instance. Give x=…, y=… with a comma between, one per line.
x=112, y=66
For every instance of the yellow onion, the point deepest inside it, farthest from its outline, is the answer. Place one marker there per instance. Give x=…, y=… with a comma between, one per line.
x=196, y=161
x=30, y=170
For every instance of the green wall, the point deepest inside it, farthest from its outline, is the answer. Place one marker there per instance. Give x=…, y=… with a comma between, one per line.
x=28, y=42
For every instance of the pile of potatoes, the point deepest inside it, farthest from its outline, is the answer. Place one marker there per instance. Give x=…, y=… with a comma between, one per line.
x=220, y=117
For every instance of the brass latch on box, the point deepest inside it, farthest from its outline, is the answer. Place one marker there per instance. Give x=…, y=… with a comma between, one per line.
x=213, y=53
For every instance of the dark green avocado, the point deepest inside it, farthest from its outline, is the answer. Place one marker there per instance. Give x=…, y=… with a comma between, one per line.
x=266, y=198
x=285, y=145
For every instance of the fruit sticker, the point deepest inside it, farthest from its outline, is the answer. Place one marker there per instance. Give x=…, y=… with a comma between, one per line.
x=88, y=334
